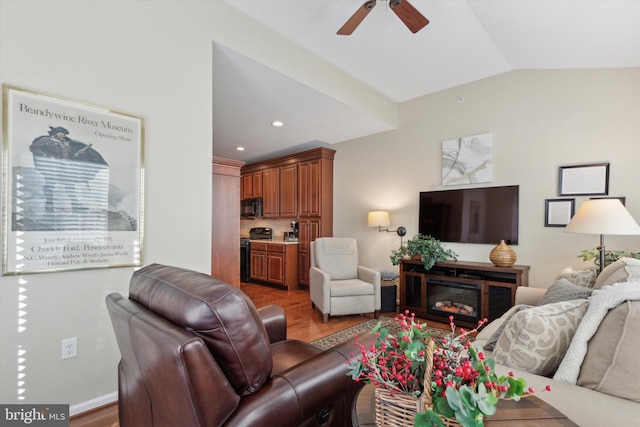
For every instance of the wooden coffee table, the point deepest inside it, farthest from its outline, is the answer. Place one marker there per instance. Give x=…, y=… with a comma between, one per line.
x=528, y=412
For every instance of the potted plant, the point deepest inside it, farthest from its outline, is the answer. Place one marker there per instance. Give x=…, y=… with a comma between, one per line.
x=609, y=256
x=429, y=248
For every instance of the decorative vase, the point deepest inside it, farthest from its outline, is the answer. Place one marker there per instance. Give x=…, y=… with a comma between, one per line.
x=502, y=255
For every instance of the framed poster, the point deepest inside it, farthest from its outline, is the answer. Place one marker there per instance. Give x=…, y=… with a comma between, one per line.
x=584, y=180
x=558, y=212
x=73, y=189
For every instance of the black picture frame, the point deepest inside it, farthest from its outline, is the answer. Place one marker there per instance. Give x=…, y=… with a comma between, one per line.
x=623, y=199
x=584, y=180
x=558, y=212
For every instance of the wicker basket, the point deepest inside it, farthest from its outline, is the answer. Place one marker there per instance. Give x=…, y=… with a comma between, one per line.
x=400, y=409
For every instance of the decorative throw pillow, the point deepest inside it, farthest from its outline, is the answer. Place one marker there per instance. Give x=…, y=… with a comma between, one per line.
x=563, y=290
x=611, y=363
x=535, y=340
x=491, y=342
x=623, y=270
x=586, y=278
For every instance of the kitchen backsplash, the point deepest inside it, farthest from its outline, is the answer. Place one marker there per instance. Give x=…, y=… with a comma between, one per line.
x=279, y=226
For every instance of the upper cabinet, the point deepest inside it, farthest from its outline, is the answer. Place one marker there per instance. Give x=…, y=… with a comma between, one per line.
x=299, y=185
x=309, y=185
x=289, y=191
x=271, y=193
x=251, y=185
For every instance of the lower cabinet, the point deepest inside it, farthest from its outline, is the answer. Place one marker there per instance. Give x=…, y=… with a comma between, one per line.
x=275, y=263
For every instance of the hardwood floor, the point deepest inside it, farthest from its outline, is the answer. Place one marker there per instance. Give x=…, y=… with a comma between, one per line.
x=303, y=323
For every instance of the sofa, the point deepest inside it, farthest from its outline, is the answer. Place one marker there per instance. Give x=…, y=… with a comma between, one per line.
x=196, y=352
x=579, y=336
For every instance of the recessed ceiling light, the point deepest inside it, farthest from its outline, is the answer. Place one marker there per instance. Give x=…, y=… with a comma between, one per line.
x=277, y=123
x=239, y=148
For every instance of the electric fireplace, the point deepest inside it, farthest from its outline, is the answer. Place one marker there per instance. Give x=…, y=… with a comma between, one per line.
x=446, y=298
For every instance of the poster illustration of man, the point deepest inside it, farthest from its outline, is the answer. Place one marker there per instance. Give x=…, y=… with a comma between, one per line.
x=59, y=159
x=74, y=185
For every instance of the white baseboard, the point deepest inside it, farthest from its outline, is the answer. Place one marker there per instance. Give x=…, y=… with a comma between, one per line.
x=93, y=403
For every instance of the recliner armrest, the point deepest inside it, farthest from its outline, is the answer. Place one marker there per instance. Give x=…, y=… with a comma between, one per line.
x=294, y=396
x=368, y=275
x=275, y=322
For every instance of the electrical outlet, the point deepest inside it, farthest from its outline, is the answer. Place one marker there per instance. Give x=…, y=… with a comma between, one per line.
x=69, y=348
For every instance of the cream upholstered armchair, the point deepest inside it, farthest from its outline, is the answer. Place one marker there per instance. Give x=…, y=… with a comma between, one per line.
x=337, y=284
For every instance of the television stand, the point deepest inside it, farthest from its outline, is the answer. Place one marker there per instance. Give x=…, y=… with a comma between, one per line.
x=469, y=291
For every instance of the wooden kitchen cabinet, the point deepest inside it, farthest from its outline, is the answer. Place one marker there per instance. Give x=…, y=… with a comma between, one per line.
x=289, y=191
x=275, y=263
x=225, y=222
x=258, y=260
x=308, y=231
x=304, y=192
x=310, y=188
x=251, y=185
x=271, y=193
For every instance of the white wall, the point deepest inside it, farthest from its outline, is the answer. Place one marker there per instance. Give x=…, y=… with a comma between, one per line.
x=540, y=120
x=122, y=57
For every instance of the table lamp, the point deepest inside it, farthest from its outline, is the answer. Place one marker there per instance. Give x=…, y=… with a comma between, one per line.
x=603, y=216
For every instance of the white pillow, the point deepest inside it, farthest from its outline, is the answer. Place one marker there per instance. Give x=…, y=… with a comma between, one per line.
x=623, y=270
x=535, y=340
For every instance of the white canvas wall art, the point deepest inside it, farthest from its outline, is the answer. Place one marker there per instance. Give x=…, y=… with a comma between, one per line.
x=467, y=160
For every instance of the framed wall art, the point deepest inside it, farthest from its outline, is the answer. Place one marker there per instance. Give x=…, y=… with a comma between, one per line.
x=467, y=160
x=623, y=199
x=73, y=185
x=558, y=212
x=584, y=180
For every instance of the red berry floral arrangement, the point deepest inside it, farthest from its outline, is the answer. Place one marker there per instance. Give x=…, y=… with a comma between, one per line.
x=464, y=385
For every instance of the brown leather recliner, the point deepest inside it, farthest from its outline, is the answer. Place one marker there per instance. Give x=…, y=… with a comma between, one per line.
x=196, y=352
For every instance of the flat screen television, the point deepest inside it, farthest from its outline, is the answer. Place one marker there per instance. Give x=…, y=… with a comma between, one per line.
x=471, y=215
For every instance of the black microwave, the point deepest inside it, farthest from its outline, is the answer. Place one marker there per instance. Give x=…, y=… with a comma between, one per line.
x=251, y=207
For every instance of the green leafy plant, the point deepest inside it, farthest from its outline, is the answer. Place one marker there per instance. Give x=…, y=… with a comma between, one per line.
x=609, y=256
x=429, y=249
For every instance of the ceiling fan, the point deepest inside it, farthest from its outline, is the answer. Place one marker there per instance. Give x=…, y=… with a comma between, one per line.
x=413, y=19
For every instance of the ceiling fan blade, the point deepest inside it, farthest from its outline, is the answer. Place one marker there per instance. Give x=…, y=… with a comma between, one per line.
x=355, y=20
x=413, y=19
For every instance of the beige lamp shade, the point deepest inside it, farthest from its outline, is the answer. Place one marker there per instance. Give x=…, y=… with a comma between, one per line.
x=378, y=219
x=603, y=216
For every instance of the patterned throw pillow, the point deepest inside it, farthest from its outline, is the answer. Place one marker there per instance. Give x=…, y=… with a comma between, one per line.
x=491, y=342
x=586, y=278
x=536, y=339
x=563, y=290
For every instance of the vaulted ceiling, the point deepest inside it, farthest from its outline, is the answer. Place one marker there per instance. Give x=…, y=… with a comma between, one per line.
x=465, y=41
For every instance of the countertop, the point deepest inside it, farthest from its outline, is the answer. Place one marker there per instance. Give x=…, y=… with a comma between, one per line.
x=280, y=241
